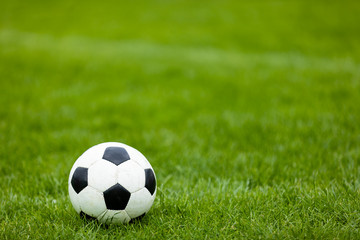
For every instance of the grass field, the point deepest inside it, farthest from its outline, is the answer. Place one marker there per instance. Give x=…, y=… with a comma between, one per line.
x=247, y=110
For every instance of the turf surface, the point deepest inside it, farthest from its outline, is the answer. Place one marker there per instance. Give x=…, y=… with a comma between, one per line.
x=248, y=112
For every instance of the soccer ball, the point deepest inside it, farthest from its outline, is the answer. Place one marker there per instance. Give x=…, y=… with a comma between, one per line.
x=113, y=183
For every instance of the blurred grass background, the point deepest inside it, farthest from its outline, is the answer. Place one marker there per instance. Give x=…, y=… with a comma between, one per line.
x=233, y=103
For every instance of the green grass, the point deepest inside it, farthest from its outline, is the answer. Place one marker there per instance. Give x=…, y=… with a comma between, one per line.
x=247, y=110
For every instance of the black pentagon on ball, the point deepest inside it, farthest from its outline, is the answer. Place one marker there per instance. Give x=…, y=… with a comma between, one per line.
x=79, y=180
x=116, y=155
x=116, y=197
x=150, y=181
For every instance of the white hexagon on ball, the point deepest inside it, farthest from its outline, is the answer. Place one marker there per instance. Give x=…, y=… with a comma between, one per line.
x=113, y=216
x=140, y=202
x=113, y=183
x=102, y=175
x=91, y=202
x=131, y=176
